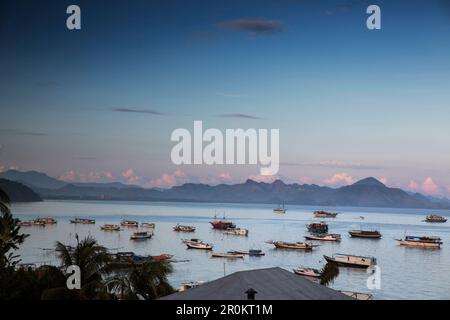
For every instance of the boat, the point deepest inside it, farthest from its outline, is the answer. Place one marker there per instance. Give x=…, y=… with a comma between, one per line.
x=129, y=223
x=325, y=214
x=82, y=221
x=228, y=255
x=358, y=295
x=44, y=221
x=317, y=227
x=280, y=209
x=25, y=223
x=294, y=245
x=222, y=224
x=251, y=252
x=200, y=246
x=110, y=227
x=323, y=237
x=307, y=272
x=421, y=242
x=147, y=225
x=237, y=232
x=370, y=234
x=143, y=235
x=434, y=218
x=162, y=257
x=348, y=260
x=191, y=241
x=181, y=228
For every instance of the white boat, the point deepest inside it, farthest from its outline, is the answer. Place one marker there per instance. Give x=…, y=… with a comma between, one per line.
x=189, y=285
x=144, y=235
x=237, y=232
x=228, y=255
x=199, y=246
x=323, y=237
x=191, y=241
x=347, y=260
x=147, y=225
x=181, y=228
x=421, y=242
x=307, y=272
x=129, y=223
x=280, y=209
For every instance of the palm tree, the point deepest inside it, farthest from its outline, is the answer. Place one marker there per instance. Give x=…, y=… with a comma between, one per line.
x=329, y=272
x=145, y=281
x=10, y=236
x=93, y=261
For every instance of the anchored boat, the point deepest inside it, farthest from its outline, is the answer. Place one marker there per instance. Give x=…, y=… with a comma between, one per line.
x=147, y=225
x=347, y=260
x=317, y=227
x=191, y=241
x=144, y=235
x=358, y=295
x=199, y=246
x=222, y=224
x=251, y=252
x=181, y=228
x=323, y=237
x=294, y=245
x=307, y=272
x=421, y=242
x=228, y=255
x=110, y=227
x=434, y=218
x=25, y=223
x=44, y=221
x=129, y=223
x=82, y=221
x=371, y=234
x=237, y=232
x=325, y=214
x=280, y=209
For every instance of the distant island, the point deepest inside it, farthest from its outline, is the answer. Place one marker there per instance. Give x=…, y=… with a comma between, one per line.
x=367, y=192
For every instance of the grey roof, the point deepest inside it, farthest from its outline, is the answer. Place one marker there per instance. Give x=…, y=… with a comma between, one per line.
x=271, y=284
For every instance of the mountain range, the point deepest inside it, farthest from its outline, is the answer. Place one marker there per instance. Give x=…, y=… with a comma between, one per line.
x=368, y=192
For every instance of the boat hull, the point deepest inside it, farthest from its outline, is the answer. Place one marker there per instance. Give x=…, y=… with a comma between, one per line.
x=417, y=244
x=347, y=264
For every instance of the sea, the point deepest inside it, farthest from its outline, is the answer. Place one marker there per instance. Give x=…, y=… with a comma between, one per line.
x=405, y=273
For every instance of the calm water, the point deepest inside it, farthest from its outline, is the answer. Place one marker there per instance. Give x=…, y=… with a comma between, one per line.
x=406, y=273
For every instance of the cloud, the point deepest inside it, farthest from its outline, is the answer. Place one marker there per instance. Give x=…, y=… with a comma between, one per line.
x=17, y=132
x=93, y=176
x=169, y=180
x=429, y=187
x=383, y=180
x=254, y=26
x=145, y=111
x=130, y=176
x=237, y=115
x=263, y=178
x=339, y=179
x=413, y=186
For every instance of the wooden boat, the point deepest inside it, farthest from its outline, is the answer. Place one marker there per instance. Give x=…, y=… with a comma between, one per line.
x=347, y=260
x=251, y=252
x=280, y=209
x=358, y=295
x=129, y=223
x=307, y=272
x=323, y=237
x=294, y=245
x=325, y=214
x=25, y=223
x=421, y=242
x=237, y=232
x=191, y=241
x=222, y=224
x=44, y=221
x=147, y=225
x=181, y=228
x=370, y=234
x=434, y=218
x=82, y=221
x=110, y=227
x=317, y=227
x=199, y=246
x=228, y=255
x=143, y=235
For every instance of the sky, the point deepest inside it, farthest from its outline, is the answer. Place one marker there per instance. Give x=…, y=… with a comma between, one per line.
x=99, y=104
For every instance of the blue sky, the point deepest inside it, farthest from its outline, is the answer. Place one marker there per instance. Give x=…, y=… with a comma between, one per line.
x=349, y=102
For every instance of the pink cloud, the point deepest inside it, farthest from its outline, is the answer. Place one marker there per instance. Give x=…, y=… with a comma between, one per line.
x=383, y=180
x=168, y=180
x=339, y=179
x=264, y=178
x=413, y=186
x=130, y=176
x=430, y=187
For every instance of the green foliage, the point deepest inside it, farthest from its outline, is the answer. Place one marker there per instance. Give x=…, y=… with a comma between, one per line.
x=329, y=272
